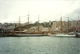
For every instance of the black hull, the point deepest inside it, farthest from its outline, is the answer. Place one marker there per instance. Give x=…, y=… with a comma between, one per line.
x=78, y=36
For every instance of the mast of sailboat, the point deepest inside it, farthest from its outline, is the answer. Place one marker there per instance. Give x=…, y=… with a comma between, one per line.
x=68, y=24
x=19, y=25
x=78, y=22
x=19, y=20
x=61, y=25
x=28, y=17
x=38, y=22
x=77, y=25
x=28, y=21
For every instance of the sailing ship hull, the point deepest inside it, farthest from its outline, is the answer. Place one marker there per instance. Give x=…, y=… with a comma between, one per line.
x=28, y=35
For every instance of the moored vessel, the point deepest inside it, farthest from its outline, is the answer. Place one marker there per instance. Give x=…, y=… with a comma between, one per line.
x=77, y=32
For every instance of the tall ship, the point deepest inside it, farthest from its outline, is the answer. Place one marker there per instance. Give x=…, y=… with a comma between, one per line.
x=28, y=32
x=63, y=28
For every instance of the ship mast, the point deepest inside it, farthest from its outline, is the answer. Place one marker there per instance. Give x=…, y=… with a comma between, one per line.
x=77, y=25
x=38, y=23
x=19, y=25
x=28, y=17
x=68, y=24
x=61, y=25
x=28, y=22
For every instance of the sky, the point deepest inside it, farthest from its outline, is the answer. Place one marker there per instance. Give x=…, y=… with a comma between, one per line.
x=48, y=10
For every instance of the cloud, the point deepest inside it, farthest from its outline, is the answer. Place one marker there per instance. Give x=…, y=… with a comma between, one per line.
x=48, y=10
x=77, y=11
x=74, y=15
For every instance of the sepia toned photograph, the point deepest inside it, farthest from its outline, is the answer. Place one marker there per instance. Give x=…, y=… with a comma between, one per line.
x=39, y=27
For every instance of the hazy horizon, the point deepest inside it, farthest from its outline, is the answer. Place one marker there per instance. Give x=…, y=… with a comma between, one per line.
x=52, y=10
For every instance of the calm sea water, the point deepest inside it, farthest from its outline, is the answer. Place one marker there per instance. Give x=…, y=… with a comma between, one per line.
x=39, y=45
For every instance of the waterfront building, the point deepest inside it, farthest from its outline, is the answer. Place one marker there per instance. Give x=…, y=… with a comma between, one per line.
x=10, y=26
x=73, y=23
x=0, y=25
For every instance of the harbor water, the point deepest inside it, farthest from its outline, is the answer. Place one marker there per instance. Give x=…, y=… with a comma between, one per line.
x=39, y=45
